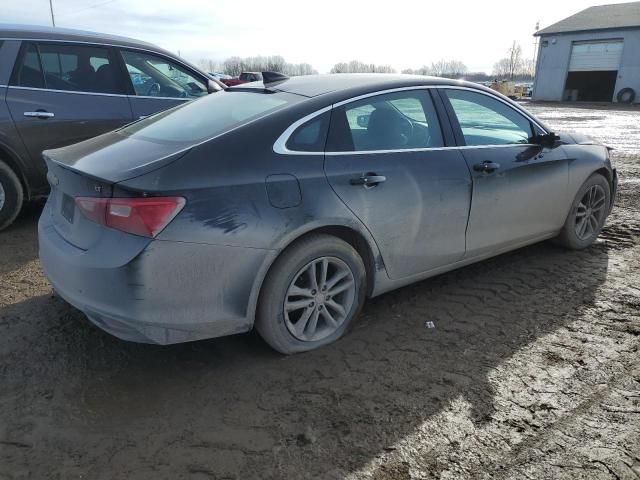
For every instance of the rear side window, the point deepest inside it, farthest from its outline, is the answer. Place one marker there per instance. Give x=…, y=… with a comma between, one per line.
x=209, y=116
x=27, y=71
x=394, y=121
x=488, y=121
x=311, y=136
x=78, y=68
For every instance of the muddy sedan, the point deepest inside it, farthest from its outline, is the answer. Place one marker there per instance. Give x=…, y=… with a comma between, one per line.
x=284, y=204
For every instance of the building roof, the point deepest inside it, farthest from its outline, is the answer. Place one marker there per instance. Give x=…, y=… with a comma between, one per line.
x=602, y=17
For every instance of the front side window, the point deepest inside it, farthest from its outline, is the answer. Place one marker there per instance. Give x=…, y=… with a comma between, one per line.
x=155, y=76
x=393, y=121
x=193, y=122
x=487, y=121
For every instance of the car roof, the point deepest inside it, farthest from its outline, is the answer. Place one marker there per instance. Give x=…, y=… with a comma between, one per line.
x=37, y=32
x=352, y=83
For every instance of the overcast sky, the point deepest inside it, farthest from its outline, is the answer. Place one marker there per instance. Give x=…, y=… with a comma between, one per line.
x=400, y=33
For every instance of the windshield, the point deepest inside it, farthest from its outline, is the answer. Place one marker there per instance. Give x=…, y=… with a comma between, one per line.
x=209, y=116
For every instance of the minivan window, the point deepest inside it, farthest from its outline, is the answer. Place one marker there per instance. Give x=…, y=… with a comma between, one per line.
x=79, y=68
x=28, y=72
x=488, y=121
x=155, y=76
x=195, y=121
x=394, y=121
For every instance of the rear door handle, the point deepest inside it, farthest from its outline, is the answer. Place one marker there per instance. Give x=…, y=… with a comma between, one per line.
x=486, y=166
x=39, y=114
x=368, y=180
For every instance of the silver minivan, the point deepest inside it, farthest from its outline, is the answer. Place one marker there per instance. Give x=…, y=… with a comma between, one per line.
x=61, y=86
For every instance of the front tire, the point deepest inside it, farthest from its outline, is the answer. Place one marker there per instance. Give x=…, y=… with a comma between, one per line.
x=588, y=213
x=311, y=294
x=11, y=196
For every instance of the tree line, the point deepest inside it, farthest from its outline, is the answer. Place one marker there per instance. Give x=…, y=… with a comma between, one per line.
x=234, y=66
x=512, y=67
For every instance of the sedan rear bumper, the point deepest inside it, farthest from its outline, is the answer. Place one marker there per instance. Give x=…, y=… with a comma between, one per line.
x=154, y=291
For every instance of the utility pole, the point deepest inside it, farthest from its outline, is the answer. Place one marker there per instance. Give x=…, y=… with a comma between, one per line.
x=535, y=48
x=53, y=19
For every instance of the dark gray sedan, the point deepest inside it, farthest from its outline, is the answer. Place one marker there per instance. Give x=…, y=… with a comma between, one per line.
x=284, y=203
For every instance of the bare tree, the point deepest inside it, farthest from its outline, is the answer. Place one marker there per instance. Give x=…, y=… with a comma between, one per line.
x=356, y=66
x=234, y=66
x=512, y=65
x=441, y=68
x=209, y=65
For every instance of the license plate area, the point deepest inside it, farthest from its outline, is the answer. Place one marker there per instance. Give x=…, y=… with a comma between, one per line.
x=68, y=207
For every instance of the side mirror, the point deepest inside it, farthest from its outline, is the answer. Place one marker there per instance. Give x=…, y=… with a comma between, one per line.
x=547, y=140
x=213, y=86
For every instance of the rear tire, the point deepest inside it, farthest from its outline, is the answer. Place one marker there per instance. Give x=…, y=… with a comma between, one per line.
x=11, y=195
x=296, y=313
x=588, y=213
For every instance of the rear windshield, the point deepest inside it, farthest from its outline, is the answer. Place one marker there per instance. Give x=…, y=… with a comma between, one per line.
x=201, y=119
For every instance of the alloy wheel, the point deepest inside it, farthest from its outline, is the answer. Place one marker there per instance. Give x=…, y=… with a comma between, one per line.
x=319, y=299
x=590, y=212
x=2, y=196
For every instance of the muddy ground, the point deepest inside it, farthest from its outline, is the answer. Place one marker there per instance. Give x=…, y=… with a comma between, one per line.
x=532, y=371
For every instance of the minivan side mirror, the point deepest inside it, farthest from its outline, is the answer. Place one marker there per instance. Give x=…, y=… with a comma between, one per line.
x=213, y=86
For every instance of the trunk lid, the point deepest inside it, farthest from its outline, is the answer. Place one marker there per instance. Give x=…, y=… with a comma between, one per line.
x=91, y=169
x=115, y=157
x=68, y=221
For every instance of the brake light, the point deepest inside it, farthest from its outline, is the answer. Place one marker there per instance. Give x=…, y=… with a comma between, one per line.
x=140, y=216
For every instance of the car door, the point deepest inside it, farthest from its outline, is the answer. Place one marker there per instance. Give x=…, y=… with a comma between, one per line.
x=385, y=158
x=63, y=93
x=519, y=188
x=158, y=82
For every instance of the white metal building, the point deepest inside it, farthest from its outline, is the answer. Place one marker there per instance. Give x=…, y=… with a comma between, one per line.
x=593, y=55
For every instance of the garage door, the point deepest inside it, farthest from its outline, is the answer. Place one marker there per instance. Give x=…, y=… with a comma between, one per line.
x=595, y=56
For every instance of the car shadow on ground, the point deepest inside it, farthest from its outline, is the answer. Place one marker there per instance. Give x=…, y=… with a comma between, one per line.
x=231, y=406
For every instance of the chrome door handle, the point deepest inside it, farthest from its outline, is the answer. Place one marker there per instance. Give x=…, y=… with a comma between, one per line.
x=39, y=114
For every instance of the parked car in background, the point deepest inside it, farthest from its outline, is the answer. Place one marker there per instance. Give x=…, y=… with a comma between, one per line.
x=61, y=86
x=506, y=88
x=245, y=77
x=284, y=203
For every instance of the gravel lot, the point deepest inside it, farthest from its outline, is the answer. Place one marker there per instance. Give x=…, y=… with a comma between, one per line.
x=532, y=371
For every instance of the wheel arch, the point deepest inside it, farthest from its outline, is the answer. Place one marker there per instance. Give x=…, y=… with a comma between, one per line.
x=11, y=160
x=359, y=240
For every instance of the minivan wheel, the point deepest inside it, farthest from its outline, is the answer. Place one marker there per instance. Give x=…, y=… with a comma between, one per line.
x=311, y=295
x=587, y=215
x=11, y=195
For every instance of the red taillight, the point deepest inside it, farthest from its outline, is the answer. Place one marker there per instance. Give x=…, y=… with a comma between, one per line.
x=139, y=216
